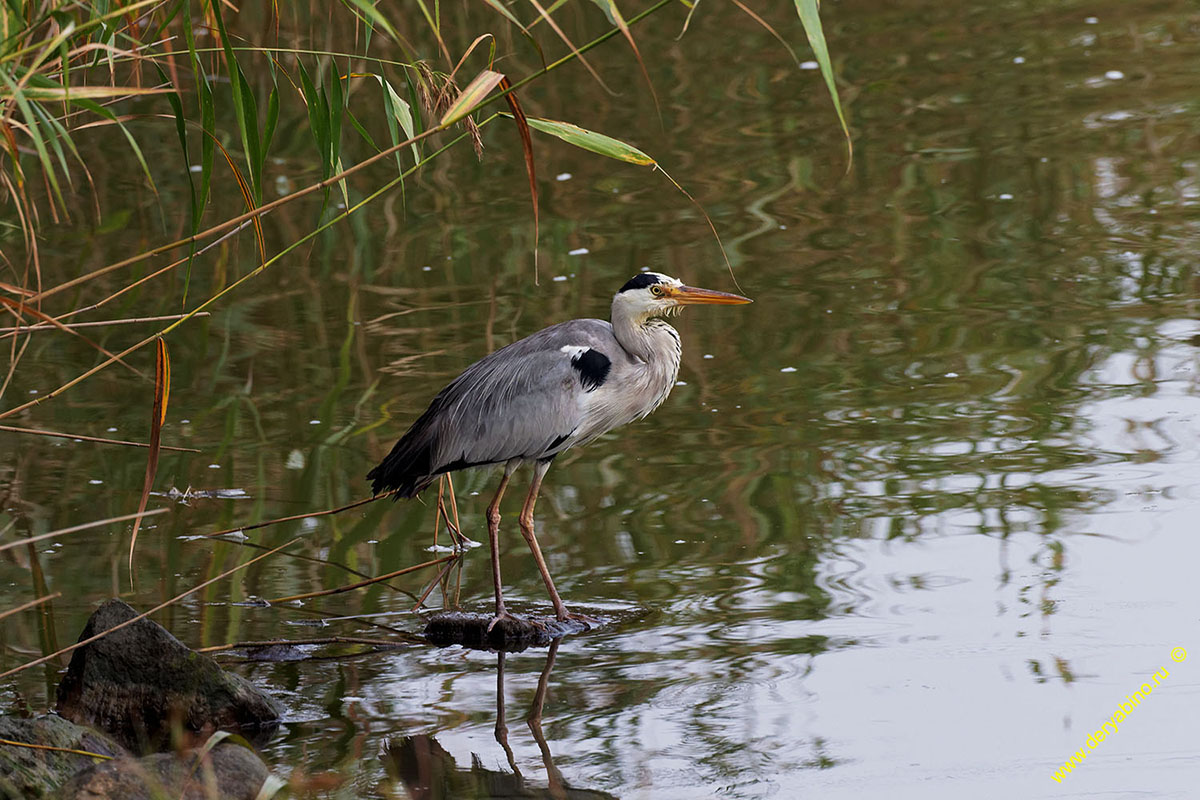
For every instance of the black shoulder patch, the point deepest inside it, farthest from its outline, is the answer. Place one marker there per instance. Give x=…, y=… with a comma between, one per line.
x=640, y=281
x=593, y=369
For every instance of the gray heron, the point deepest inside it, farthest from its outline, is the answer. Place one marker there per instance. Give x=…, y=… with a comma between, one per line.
x=559, y=388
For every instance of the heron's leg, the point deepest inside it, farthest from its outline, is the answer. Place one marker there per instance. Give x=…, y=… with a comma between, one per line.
x=493, y=518
x=526, y=520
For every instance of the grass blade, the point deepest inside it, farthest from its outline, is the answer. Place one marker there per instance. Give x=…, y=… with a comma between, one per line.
x=688, y=19
x=181, y=132
x=208, y=116
x=398, y=112
x=470, y=97
x=245, y=108
x=496, y=4
x=471, y=49
x=52, y=749
x=615, y=148
x=435, y=26
x=248, y=126
x=337, y=109
x=247, y=196
x=162, y=393
x=811, y=20
x=6, y=333
x=363, y=132
x=32, y=130
x=590, y=140
x=371, y=16
x=272, y=785
x=318, y=118
x=269, y=130
x=66, y=93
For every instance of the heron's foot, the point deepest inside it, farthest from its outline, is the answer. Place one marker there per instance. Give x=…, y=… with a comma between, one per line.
x=588, y=622
x=502, y=615
x=514, y=620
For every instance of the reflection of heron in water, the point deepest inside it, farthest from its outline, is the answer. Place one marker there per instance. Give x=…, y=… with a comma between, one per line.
x=429, y=771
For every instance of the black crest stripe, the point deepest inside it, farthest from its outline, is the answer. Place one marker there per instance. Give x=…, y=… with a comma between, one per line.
x=640, y=281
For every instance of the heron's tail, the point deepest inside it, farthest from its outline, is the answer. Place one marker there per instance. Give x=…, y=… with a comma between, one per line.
x=408, y=466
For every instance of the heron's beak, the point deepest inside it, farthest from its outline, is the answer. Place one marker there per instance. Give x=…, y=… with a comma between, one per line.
x=690, y=295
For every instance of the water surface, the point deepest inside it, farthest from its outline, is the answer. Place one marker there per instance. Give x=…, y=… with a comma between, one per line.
x=912, y=525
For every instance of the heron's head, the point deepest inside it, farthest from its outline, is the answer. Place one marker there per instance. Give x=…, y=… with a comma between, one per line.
x=652, y=294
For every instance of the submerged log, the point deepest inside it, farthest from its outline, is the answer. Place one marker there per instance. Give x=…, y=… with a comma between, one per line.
x=27, y=772
x=140, y=682
x=511, y=635
x=227, y=772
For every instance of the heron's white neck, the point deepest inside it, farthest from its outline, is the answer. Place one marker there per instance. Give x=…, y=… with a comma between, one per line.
x=645, y=337
x=655, y=344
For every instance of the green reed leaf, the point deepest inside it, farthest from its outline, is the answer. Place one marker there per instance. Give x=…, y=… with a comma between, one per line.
x=590, y=140
x=496, y=4
x=398, y=113
x=811, y=20
x=318, y=119
x=34, y=133
x=371, y=15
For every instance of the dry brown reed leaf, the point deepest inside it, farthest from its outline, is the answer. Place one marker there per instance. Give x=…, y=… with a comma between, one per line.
x=11, y=289
x=247, y=197
x=162, y=393
x=527, y=148
x=471, y=49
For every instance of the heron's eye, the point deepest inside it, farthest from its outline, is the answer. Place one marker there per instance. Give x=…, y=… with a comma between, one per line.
x=656, y=290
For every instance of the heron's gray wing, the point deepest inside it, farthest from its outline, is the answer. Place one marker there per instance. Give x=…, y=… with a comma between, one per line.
x=522, y=401
x=525, y=400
